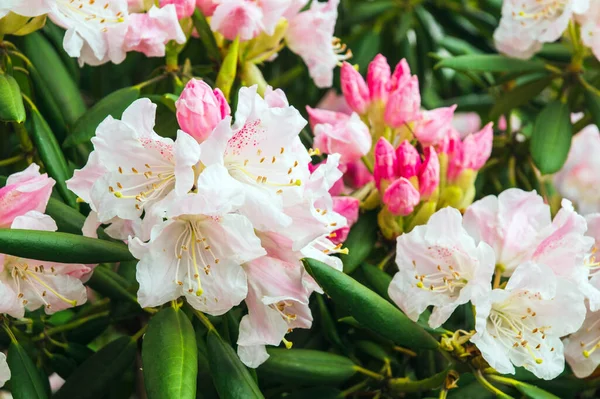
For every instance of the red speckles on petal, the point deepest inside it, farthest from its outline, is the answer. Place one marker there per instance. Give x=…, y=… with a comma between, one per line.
x=166, y=150
x=250, y=135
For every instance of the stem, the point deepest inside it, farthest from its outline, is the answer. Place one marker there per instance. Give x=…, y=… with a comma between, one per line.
x=354, y=388
x=6, y=327
x=405, y=351
x=368, y=163
x=204, y=319
x=443, y=393
x=11, y=160
x=26, y=143
x=150, y=81
x=141, y=332
x=487, y=385
x=70, y=326
x=381, y=265
x=369, y=373
x=498, y=276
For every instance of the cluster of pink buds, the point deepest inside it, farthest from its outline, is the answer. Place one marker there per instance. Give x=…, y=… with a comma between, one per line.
x=415, y=160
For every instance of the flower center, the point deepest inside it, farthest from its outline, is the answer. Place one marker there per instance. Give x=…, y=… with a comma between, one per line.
x=540, y=9
x=340, y=49
x=91, y=11
x=446, y=280
x=153, y=184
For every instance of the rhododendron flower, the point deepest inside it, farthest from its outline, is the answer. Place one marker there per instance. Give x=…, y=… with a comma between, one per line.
x=332, y=101
x=30, y=284
x=349, y=208
x=378, y=78
x=441, y=265
x=207, y=6
x=404, y=103
x=133, y=169
x=522, y=324
x=590, y=27
x=350, y=138
x=95, y=29
x=246, y=19
x=433, y=126
x=200, y=109
x=263, y=155
x=24, y=191
x=310, y=35
x=527, y=24
x=184, y=8
x=4, y=370
x=578, y=178
x=469, y=153
x=148, y=33
x=355, y=89
x=467, y=123
x=581, y=348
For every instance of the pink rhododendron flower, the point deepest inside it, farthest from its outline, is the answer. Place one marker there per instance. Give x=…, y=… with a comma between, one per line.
x=401, y=197
x=27, y=284
x=441, y=265
x=246, y=19
x=350, y=138
x=577, y=180
x=348, y=207
x=200, y=109
x=386, y=160
x=148, y=33
x=433, y=126
x=404, y=103
x=317, y=116
x=357, y=174
x=332, y=101
x=24, y=191
x=184, y=8
x=4, y=370
x=378, y=78
x=467, y=123
x=429, y=173
x=310, y=35
x=520, y=325
x=207, y=6
x=527, y=24
x=470, y=153
x=355, y=89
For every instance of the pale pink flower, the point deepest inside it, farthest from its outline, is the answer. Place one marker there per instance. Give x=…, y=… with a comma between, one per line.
x=355, y=89
x=149, y=33
x=467, y=123
x=590, y=27
x=527, y=24
x=470, y=153
x=332, y=101
x=441, y=265
x=24, y=191
x=522, y=324
x=317, y=116
x=404, y=103
x=433, y=126
x=200, y=109
x=139, y=5
x=208, y=6
x=246, y=19
x=294, y=8
x=4, y=370
x=349, y=208
x=310, y=35
x=581, y=348
x=578, y=178
x=27, y=284
x=184, y=8
x=357, y=175
x=350, y=138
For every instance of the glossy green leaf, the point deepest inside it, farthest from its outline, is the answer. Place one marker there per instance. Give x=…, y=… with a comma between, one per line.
x=55, y=75
x=592, y=101
x=11, y=102
x=114, y=104
x=378, y=279
x=94, y=377
x=228, y=70
x=62, y=365
x=360, y=241
x=551, y=137
x=373, y=349
x=490, y=63
x=61, y=247
x=316, y=393
x=69, y=220
x=406, y=385
x=371, y=310
x=328, y=325
x=25, y=381
x=305, y=366
x=51, y=154
x=170, y=356
x=88, y=328
x=232, y=379
x=518, y=96
x=206, y=35
x=363, y=11
x=109, y=284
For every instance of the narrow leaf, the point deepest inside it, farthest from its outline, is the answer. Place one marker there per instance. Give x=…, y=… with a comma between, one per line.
x=406, y=385
x=61, y=247
x=109, y=284
x=206, y=35
x=11, y=103
x=170, y=356
x=360, y=242
x=69, y=220
x=26, y=382
x=228, y=70
x=518, y=96
x=378, y=279
x=490, y=63
x=371, y=310
x=551, y=137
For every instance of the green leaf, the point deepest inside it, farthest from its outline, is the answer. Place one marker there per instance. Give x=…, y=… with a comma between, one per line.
x=114, y=104
x=232, y=379
x=69, y=220
x=518, y=96
x=51, y=154
x=55, y=75
x=371, y=310
x=61, y=247
x=170, y=356
x=374, y=350
x=360, y=241
x=26, y=382
x=490, y=63
x=94, y=377
x=592, y=101
x=11, y=102
x=228, y=70
x=305, y=366
x=378, y=279
x=62, y=365
x=363, y=11
x=366, y=48
x=406, y=385
x=530, y=391
x=206, y=35
x=316, y=393
x=109, y=283
x=328, y=325
x=551, y=137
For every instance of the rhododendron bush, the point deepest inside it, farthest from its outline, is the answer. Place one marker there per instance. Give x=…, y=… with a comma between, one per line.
x=299, y=199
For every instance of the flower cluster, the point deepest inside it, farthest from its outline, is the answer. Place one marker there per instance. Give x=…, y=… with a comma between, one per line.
x=418, y=160
x=527, y=24
x=544, y=279
x=223, y=213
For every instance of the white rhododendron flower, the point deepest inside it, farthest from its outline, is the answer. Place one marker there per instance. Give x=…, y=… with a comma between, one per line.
x=521, y=325
x=581, y=348
x=4, y=370
x=440, y=264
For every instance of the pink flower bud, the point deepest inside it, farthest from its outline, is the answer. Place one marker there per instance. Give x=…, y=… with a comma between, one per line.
x=24, y=191
x=348, y=207
x=378, y=78
x=357, y=175
x=403, y=104
x=200, y=109
x=477, y=147
x=429, y=173
x=354, y=88
x=351, y=139
x=400, y=76
x=184, y=8
x=207, y=6
x=409, y=160
x=385, y=162
x=434, y=125
x=401, y=197
x=317, y=116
